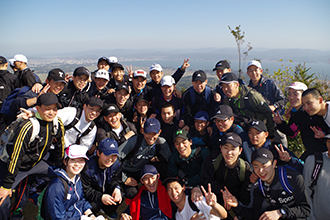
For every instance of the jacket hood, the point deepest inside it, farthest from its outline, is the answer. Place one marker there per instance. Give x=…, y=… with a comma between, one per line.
x=244, y=90
x=58, y=171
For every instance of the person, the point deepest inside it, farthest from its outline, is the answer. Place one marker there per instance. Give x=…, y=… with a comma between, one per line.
x=151, y=201
x=26, y=152
x=103, y=63
x=118, y=76
x=301, y=121
x=98, y=86
x=208, y=208
x=142, y=113
x=60, y=204
x=25, y=76
x=271, y=198
x=101, y=178
x=245, y=101
x=224, y=168
x=317, y=194
x=114, y=126
x=198, y=133
x=146, y=148
x=187, y=161
x=138, y=85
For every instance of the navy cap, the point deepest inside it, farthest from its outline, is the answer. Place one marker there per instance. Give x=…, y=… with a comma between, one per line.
x=94, y=101
x=148, y=169
x=202, y=115
x=199, y=75
x=263, y=155
x=48, y=98
x=103, y=59
x=232, y=138
x=259, y=125
x=108, y=147
x=229, y=78
x=57, y=75
x=222, y=64
x=225, y=111
x=81, y=71
x=3, y=60
x=151, y=125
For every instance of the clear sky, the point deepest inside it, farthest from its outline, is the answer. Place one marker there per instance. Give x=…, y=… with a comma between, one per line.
x=43, y=26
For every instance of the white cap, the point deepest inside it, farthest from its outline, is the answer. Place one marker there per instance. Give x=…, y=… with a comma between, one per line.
x=113, y=59
x=21, y=58
x=138, y=73
x=297, y=86
x=104, y=74
x=76, y=151
x=167, y=81
x=157, y=67
x=11, y=62
x=254, y=63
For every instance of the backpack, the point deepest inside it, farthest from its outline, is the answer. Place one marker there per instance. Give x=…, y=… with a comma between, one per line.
x=197, y=156
x=316, y=171
x=18, y=92
x=208, y=96
x=75, y=121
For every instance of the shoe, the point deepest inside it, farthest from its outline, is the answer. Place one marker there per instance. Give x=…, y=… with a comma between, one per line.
x=17, y=214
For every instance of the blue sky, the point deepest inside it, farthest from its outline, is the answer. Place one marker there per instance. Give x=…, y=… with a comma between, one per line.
x=42, y=26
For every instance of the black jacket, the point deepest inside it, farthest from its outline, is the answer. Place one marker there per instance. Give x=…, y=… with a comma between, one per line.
x=126, y=110
x=103, y=94
x=70, y=96
x=7, y=84
x=26, y=78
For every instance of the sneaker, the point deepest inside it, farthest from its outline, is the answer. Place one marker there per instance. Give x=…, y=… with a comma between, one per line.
x=17, y=214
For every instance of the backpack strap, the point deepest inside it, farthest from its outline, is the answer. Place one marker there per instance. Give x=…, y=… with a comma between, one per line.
x=217, y=161
x=75, y=120
x=316, y=171
x=89, y=129
x=192, y=204
x=35, y=128
x=192, y=95
x=242, y=167
x=284, y=180
x=135, y=148
x=208, y=97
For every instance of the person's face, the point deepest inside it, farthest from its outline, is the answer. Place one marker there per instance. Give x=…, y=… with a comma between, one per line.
x=168, y=90
x=113, y=119
x=151, y=137
x=138, y=83
x=80, y=81
x=55, y=87
x=142, y=107
x=118, y=74
x=176, y=192
x=156, y=75
x=257, y=138
x=106, y=161
x=103, y=65
x=220, y=72
x=200, y=125
x=100, y=83
x=254, y=73
x=150, y=182
x=167, y=115
x=265, y=172
x=91, y=112
x=230, y=154
x=19, y=65
x=47, y=112
x=224, y=125
x=231, y=90
x=121, y=97
x=295, y=98
x=311, y=104
x=199, y=86
x=74, y=166
x=183, y=146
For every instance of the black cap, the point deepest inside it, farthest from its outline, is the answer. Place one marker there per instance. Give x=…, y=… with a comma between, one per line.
x=172, y=179
x=48, y=98
x=117, y=65
x=103, y=59
x=229, y=77
x=110, y=109
x=225, y=111
x=263, y=155
x=122, y=86
x=259, y=125
x=3, y=60
x=57, y=75
x=81, y=71
x=141, y=98
x=222, y=64
x=94, y=101
x=199, y=75
x=232, y=138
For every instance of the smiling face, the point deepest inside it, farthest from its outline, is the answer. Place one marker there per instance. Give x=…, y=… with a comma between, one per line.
x=91, y=112
x=151, y=137
x=167, y=115
x=295, y=98
x=183, y=146
x=220, y=72
x=142, y=107
x=106, y=161
x=254, y=73
x=176, y=192
x=311, y=104
x=224, y=125
x=265, y=172
x=156, y=75
x=230, y=154
x=80, y=81
x=103, y=65
x=100, y=83
x=74, y=166
x=138, y=83
x=168, y=91
x=231, y=90
x=47, y=112
x=199, y=86
x=257, y=138
x=55, y=87
x=200, y=125
x=113, y=119
x=121, y=97
x=150, y=182
x=118, y=74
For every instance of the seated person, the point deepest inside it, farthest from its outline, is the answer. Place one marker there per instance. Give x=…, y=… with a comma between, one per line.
x=198, y=133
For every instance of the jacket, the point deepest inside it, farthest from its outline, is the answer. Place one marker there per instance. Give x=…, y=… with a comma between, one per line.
x=56, y=207
x=159, y=100
x=26, y=77
x=102, y=94
x=126, y=110
x=7, y=84
x=70, y=96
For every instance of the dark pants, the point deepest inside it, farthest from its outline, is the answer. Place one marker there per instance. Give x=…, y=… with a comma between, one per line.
x=108, y=209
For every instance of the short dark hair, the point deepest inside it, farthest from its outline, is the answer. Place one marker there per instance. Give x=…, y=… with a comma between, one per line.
x=168, y=104
x=313, y=91
x=171, y=180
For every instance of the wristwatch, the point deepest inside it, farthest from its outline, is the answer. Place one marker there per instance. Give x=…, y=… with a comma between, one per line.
x=283, y=212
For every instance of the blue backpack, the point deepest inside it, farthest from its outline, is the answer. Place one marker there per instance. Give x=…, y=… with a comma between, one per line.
x=18, y=92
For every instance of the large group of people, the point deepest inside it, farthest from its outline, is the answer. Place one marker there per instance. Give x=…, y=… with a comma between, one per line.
x=110, y=143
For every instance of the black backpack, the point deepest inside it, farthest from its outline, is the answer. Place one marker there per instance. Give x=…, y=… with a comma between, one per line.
x=316, y=171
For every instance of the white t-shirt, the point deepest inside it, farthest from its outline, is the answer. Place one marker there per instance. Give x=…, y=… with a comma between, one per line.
x=187, y=212
x=118, y=130
x=326, y=118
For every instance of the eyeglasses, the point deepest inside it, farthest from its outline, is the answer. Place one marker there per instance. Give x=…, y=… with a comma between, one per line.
x=219, y=121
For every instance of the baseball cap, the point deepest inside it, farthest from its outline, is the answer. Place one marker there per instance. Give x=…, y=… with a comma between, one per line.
x=327, y=136
x=57, y=75
x=122, y=86
x=81, y=71
x=202, y=115
x=172, y=179
x=111, y=108
x=113, y=59
x=229, y=78
x=199, y=75
x=11, y=62
x=76, y=151
x=138, y=73
x=117, y=65
x=108, y=147
x=254, y=63
x=103, y=59
x=148, y=169
x=297, y=86
x=156, y=66
x=104, y=74
x=94, y=101
x=221, y=65
x=232, y=138
x=259, y=125
x=48, y=98
x=151, y=125
x=167, y=81
x=225, y=111
x=3, y=60
x=141, y=98
x=263, y=155
x=182, y=134
x=20, y=58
